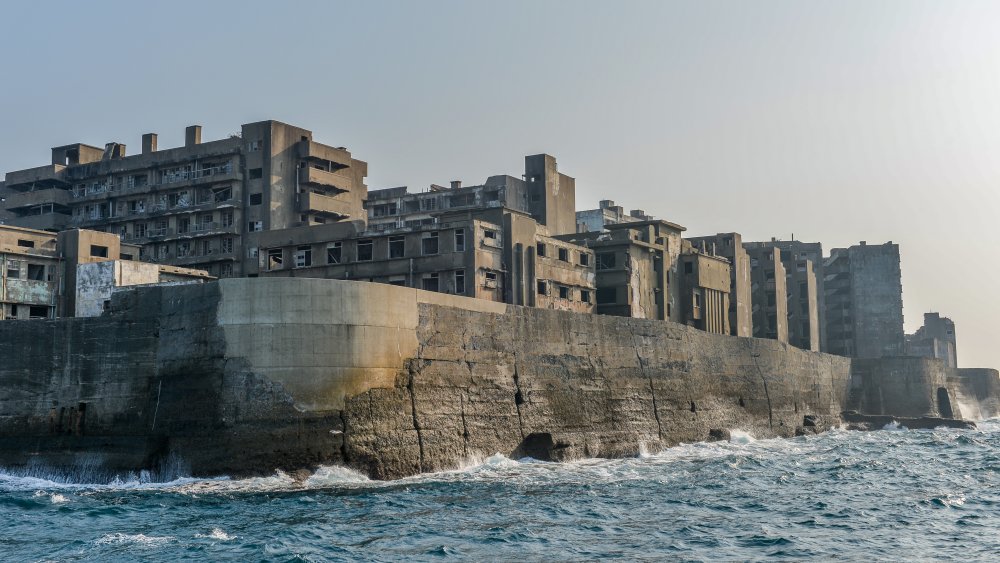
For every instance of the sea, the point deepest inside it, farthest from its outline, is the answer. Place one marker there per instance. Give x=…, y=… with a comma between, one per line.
x=888, y=495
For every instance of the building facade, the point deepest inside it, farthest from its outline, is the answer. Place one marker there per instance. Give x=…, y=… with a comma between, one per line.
x=864, y=301
x=768, y=292
x=794, y=250
x=202, y=205
x=936, y=339
x=705, y=287
x=730, y=247
x=607, y=213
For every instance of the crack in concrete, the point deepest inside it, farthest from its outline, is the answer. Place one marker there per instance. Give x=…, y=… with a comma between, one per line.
x=465, y=430
x=518, y=398
x=652, y=393
x=763, y=380
x=343, y=438
x=416, y=423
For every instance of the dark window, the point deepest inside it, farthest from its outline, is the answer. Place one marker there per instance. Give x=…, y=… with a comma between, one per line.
x=585, y=295
x=256, y=199
x=490, y=280
x=564, y=254
x=540, y=249
x=127, y=256
x=543, y=287
x=770, y=300
x=605, y=260
x=303, y=256
x=26, y=243
x=365, y=250
x=256, y=173
x=397, y=247
x=584, y=259
x=459, y=240
x=430, y=283
x=688, y=267
x=334, y=253
x=563, y=292
x=399, y=283
x=606, y=295
x=38, y=312
x=254, y=226
x=36, y=272
x=430, y=244
x=490, y=234
x=460, y=282
x=98, y=251
x=769, y=274
x=274, y=259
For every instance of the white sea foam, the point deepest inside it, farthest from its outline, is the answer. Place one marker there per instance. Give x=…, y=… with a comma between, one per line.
x=894, y=426
x=741, y=437
x=56, y=498
x=216, y=534
x=141, y=540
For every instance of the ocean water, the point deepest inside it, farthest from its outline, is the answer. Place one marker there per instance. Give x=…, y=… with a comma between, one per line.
x=894, y=494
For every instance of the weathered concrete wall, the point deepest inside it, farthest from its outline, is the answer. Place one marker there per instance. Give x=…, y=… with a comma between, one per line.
x=246, y=375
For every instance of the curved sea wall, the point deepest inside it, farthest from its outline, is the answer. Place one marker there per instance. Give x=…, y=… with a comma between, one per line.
x=245, y=376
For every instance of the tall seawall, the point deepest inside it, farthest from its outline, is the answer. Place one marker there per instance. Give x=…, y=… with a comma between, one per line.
x=245, y=376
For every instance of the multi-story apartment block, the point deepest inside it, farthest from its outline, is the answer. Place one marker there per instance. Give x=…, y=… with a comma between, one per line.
x=768, y=292
x=730, y=247
x=812, y=251
x=31, y=274
x=803, y=304
x=636, y=268
x=936, y=339
x=864, y=301
x=607, y=213
x=705, y=294
x=544, y=193
x=201, y=205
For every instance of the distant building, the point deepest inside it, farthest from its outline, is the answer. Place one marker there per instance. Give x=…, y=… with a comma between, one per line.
x=768, y=292
x=705, y=291
x=636, y=268
x=596, y=220
x=864, y=301
x=730, y=246
x=803, y=304
x=797, y=251
x=936, y=339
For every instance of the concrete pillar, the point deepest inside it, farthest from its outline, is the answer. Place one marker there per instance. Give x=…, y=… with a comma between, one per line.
x=149, y=143
x=192, y=136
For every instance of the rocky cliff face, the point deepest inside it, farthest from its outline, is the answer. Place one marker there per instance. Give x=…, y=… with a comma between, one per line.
x=245, y=376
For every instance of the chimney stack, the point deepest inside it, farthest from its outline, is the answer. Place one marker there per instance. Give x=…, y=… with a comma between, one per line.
x=455, y=184
x=149, y=143
x=192, y=136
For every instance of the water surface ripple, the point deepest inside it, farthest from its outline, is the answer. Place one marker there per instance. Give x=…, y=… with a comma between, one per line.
x=892, y=494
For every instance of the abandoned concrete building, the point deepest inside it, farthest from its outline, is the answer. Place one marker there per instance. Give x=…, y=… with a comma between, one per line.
x=864, y=301
x=935, y=339
x=203, y=204
x=730, y=247
x=705, y=296
x=44, y=275
x=607, y=213
x=794, y=250
x=768, y=292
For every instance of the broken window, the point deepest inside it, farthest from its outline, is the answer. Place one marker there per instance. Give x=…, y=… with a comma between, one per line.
x=226, y=270
x=365, y=250
x=205, y=247
x=697, y=300
x=254, y=145
x=429, y=244
x=564, y=254
x=563, y=292
x=253, y=252
x=183, y=249
x=584, y=259
x=540, y=250
x=227, y=219
x=98, y=251
x=490, y=280
x=303, y=256
x=274, y=259
x=459, y=240
x=256, y=199
x=14, y=269
x=227, y=245
x=256, y=173
x=460, y=282
x=585, y=295
x=205, y=221
x=605, y=261
x=222, y=194
x=397, y=246
x=543, y=287
x=430, y=282
x=254, y=226
x=162, y=251
x=36, y=272
x=333, y=253
x=38, y=312
x=26, y=243
x=688, y=267
x=489, y=234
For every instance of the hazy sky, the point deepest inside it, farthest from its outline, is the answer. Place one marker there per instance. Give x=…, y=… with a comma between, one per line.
x=835, y=121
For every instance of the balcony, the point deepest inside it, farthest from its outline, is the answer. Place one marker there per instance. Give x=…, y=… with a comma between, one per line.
x=43, y=176
x=47, y=222
x=338, y=181
x=325, y=205
x=316, y=151
x=18, y=200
